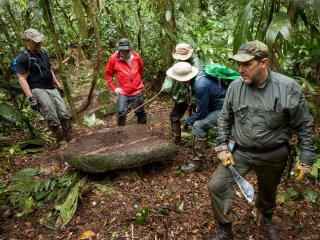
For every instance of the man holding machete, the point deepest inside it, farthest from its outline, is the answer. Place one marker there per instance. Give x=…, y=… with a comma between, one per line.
x=260, y=111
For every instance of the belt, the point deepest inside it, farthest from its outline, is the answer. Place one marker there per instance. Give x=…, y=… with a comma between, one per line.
x=260, y=150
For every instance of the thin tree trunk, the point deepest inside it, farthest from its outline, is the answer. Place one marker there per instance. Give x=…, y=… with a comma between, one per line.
x=59, y=57
x=9, y=41
x=168, y=27
x=82, y=26
x=15, y=25
x=97, y=64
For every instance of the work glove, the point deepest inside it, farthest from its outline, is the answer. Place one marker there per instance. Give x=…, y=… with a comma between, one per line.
x=61, y=91
x=302, y=170
x=225, y=155
x=33, y=103
x=118, y=90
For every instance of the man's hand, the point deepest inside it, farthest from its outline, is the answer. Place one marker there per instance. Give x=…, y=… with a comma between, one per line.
x=302, y=170
x=33, y=103
x=186, y=128
x=226, y=158
x=118, y=90
x=224, y=155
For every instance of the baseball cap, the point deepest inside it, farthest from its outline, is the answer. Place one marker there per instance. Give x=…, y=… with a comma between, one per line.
x=250, y=50
x=34, y=35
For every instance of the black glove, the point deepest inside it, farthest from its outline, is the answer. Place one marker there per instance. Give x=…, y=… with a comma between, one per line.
x=33, y=103
x=61, y=91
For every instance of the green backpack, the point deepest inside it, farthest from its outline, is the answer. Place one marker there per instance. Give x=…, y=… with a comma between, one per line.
x=220, y=71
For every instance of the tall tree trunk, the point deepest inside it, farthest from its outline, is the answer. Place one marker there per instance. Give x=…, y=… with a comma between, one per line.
x=139, y=3
x=97, y=64
x=15, y=25
x=82, y=26
x=49, y=21
x=3, y=28
x=168, y=32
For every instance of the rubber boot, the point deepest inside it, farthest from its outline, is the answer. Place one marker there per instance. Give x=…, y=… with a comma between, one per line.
x=224, y=233
x=142, y=119
x=176, y=132
x=270, y=230
x=57, y=133
x=199, y=146
x=66, y=129
x=121, y=121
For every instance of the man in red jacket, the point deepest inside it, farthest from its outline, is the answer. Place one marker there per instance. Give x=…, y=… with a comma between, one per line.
x=127, y=66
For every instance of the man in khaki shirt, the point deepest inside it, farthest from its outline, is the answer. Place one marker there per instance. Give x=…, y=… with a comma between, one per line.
x=260, y=111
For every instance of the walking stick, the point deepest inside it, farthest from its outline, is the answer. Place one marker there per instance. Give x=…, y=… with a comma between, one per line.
x=144, y=103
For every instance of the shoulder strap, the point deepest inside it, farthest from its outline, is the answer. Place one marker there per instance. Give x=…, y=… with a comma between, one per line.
x=26, y=52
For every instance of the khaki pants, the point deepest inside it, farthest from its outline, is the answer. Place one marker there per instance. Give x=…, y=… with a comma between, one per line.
x=267, y=166
x=52, y=106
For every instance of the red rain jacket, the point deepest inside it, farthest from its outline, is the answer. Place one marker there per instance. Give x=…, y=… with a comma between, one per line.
x=129, y=77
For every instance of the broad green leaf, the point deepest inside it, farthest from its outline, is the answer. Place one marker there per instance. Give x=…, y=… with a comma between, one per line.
x=181, y=207
x=10, y=114
x=280, y=24
x=311, y=195
x=168, y=15
x=105, y=189
x=142, y=214
x=316, y=168
x=26, y=172
x=29, y=206
x=242, y=31
x=69, y=207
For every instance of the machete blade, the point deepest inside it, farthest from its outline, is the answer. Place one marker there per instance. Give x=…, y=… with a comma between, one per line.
x=245, y=187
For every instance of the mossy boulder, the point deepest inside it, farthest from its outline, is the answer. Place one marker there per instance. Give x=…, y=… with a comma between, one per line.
x=118, y=148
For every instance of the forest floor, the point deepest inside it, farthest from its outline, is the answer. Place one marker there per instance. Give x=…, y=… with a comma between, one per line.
x=178, y=203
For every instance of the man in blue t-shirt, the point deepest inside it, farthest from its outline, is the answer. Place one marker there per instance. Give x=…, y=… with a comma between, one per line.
x=41, y=86
x=210, y=94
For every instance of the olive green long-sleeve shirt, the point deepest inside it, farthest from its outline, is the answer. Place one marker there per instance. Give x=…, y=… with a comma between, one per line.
x=264, y=116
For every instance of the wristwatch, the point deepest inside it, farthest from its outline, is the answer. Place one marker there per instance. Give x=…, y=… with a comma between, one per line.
x=222, y=147
x=221, y=141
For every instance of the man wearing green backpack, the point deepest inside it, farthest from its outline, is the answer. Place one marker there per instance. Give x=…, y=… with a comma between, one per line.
x=209, y=92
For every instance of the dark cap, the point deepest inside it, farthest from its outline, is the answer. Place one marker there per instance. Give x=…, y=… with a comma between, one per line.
x=124, y=44
x=250, y=50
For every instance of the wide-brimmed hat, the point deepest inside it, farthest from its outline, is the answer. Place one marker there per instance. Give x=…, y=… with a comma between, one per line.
x=250, y=50
x=32, y=34
x=124, y=44
x=182, y=71
x=182, y=51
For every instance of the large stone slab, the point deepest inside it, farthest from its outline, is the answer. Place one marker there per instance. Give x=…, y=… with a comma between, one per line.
x=117, y=148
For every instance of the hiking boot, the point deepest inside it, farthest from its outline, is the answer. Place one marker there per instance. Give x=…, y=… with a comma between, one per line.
x=5, y=213
x=66, y=129
x=176, y=132
x=224, y=233
x=269, y=228
x=121, y=121
x=191, y=166
x=142, y=119
x=199, y=147
x=57, y=133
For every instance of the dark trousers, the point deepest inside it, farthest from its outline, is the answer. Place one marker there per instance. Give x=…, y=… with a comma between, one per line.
x=267, y=166
x=178, y=111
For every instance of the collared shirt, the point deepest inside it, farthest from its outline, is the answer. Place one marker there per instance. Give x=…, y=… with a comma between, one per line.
x=264, y=116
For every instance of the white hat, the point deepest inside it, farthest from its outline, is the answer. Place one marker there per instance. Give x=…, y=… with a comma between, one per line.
x=33, y=35
x=182, y=51
x=182, y=71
